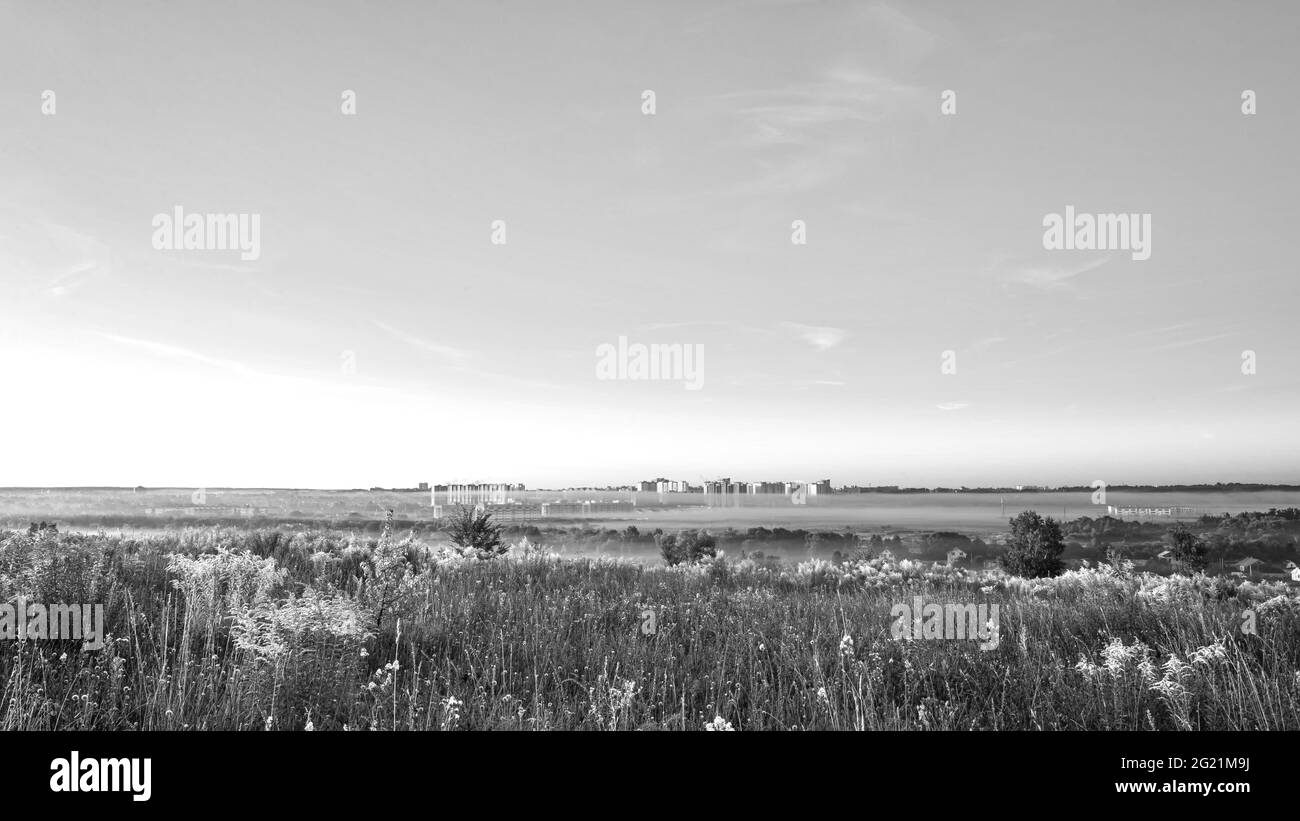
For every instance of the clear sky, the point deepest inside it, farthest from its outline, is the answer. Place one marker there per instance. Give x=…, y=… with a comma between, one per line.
x=382, y=338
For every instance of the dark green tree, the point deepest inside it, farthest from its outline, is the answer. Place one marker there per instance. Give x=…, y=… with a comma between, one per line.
x=476, y=534
x=1035, y=546
x=1188, y=549
x=686, y=546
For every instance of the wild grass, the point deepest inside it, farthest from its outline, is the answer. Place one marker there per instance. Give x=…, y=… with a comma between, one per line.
x=222, y=629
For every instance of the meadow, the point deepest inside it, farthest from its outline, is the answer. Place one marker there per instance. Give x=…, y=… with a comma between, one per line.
x=983, y=514
x=234, y=629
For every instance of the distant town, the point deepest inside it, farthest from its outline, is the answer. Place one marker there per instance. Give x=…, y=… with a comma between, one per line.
x=728, y=487
x=661, y=485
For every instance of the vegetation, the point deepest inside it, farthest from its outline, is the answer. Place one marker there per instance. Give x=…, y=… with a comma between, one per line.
x=226, y=629
x=686, y=546
x=1035, y=546
x=1187, y=549
x=1272, y=537
x=474, y=532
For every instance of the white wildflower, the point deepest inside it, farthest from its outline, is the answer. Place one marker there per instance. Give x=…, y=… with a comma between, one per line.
x=1209, y=654
x=846, y=646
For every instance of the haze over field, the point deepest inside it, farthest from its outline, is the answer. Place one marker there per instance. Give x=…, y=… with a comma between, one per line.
x=476, y=361
x=969, y=513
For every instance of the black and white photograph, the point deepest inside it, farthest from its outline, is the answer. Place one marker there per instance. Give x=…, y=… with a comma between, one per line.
x=616, y=370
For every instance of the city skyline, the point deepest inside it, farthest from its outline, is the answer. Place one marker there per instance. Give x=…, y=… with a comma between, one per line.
x=637, y=487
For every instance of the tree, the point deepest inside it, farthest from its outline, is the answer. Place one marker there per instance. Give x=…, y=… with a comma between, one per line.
x=1188, y=549
x=476, y=534
x=686, y=546
x=1035, y=546
x=667, y=544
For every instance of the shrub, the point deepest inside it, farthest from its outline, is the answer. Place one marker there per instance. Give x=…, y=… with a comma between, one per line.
x=388, y=573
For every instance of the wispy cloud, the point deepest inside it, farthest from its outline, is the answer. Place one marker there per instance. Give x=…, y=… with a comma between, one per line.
x=909, y=37
x=821, y=338
x=50, y=259
x=829, y=116
x=447, y=352
x=952, y=406
x=725, y=324
x=459, y=360
x=1050, y=277
x=180, y=354
x=1187, y=343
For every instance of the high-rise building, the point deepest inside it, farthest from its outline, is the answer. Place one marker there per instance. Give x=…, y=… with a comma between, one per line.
x=489, y=493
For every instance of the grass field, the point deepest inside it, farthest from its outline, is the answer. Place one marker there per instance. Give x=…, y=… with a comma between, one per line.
x=224, y=629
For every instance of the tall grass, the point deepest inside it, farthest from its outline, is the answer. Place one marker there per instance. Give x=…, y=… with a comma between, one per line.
x=222, y=629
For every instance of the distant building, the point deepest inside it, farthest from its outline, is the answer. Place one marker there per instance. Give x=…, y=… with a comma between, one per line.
x=726, y=487
x=491, y=493
x=424, y=486
x=671, y=486
x=868, y=489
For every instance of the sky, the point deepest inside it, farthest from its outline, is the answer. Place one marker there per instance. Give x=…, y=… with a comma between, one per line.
x=921, y=335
